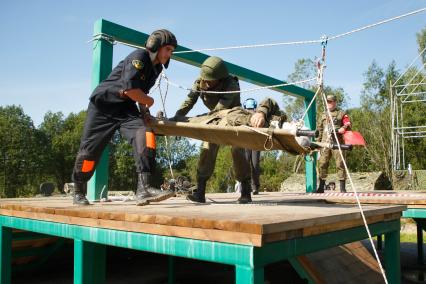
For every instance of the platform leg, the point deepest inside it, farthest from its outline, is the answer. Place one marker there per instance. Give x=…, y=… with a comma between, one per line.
x=379, y=242
x=249, y=275
x=6, y=254
x=392, y=257
x=89, y=262
x=297, y=265
x=171, y=277
x=420, y=254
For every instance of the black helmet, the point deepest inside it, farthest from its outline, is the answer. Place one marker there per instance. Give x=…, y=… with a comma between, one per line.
x=160, y=38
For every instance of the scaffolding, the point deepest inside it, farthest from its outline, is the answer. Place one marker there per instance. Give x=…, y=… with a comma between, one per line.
x=402, y=95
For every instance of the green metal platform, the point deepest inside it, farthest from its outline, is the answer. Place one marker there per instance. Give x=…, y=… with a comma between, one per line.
x=298, y=228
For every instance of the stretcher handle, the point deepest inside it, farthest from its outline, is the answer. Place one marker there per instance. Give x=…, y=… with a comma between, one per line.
x=309, y=133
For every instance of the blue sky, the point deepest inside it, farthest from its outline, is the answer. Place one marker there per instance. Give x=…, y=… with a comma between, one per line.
x=46, y=60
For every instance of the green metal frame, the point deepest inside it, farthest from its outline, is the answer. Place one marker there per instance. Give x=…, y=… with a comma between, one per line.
x=249, y=261
x=419, y=216
x=102, y=65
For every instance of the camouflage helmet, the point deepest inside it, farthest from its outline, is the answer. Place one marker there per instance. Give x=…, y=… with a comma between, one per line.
x=331, y=98
x=213, y=68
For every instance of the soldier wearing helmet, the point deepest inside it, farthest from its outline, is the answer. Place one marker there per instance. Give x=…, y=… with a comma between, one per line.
x=253, y=156
x=113, y=107
x=214, y=76
x=342, y=123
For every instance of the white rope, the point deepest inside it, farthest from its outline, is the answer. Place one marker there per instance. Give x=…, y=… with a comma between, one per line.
x=320, y=66
x=355, y=191
x=269, y=137
x=305, y=41
x=240, y=91
x=163, y=103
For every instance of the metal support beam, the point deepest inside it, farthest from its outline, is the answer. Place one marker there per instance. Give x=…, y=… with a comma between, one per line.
x=171, y=275
x=5, y=254
x=89, y=262
x=249, y=275
x=420, y=254
x=310, y=161
x=392, y=257
x=101, y=67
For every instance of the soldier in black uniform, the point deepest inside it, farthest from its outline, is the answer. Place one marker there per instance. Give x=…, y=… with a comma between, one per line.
x=113, y=107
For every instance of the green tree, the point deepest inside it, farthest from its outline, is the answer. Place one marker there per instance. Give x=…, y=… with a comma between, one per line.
x=20, y=149
x=421, y=41
x=63, y=137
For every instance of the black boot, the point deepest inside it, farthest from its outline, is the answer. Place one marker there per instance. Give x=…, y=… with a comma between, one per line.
x=199, y=196
x=80, y=191
x=342, y=185
x=255, y=189
x=142, y=193
x=146, y=193
x=245, y=193
x=321, y=186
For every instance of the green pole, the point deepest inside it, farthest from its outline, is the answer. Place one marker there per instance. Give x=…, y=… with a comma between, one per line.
x=5, y=254
x=310, y=161
x=249, y=275
x=392, y=257
x=89, y=262
x=101, y=67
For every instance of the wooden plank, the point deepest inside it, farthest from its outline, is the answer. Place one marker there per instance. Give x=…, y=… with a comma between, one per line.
x=193, y=233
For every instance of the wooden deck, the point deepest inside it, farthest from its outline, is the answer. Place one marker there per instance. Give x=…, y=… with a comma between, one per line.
x=272, y=217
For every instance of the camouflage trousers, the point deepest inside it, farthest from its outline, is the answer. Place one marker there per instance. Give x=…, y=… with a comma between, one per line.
x=207, y=162
x=324, y=162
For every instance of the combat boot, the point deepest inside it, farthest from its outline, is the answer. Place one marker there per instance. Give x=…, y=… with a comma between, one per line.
x=255, y=189
x=199, y=196
x=80, y=191
x=245, y=193
x=321, y=186
x=142, y=193
x=342, y=185
x=146, y=193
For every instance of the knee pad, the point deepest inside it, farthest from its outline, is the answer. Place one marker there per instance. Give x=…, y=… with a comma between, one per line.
x=84, y=167
x=145, y=138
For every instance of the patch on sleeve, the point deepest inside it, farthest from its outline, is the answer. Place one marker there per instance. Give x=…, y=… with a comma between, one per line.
x=137, y=64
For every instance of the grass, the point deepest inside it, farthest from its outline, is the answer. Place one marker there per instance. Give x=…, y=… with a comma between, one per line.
x=409, y=238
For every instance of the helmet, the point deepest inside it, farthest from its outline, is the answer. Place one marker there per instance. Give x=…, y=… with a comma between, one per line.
x=331, y=98
x=213, y=68
x=160, y=38
x=250, y=103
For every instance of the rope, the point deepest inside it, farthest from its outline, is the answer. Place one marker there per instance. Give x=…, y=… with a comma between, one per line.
x=163, y=103
x=269, y=139
x=355, y=191
x=240, y=91
x=306, y=41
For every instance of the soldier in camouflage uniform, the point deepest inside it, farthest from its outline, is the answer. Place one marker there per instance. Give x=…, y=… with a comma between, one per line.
x=342, y=123
x=214, y=76
x=267, y=111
